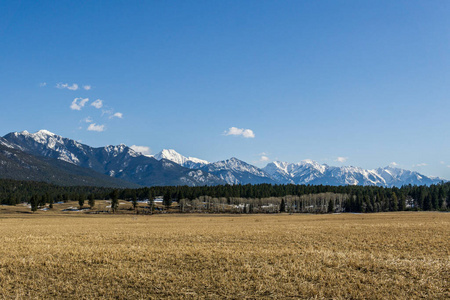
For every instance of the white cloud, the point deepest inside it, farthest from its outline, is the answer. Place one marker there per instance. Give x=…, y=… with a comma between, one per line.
x=341, y=159
x=72, y=87
x=42, y=84
x=87, y=87
x=442, y=162
x=142, y=149
x=88, y=120
x=95, y=127
x=264, y=158
x=393, y=164
x=117, y=115
x=107, y=112
x=78, y=103
x=420, y=165
x=97, y=103
x=247, y=133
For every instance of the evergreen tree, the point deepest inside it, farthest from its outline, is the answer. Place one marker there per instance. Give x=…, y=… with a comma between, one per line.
x=150, y=201
x=91, y=201
x=114, y=200
x=330, y=206
x=167, y=200
x=81, y=201
x=134, y=201
x=283, y=205
x=402, y=202
x=34, y=203
x=50, y=201
x=394, y=202
x=427, y=202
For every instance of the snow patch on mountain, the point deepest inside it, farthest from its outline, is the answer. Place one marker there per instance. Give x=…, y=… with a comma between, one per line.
x=188, y=162
x=311, y=172
x=235, y=171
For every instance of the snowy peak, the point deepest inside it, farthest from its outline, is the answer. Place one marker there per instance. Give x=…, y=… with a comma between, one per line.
x=120, y=149
x=118, y=161
x=235, y=171
x=123, y=162
x=311, y=172
x=188, y=162
x=46, y=143
x=396, y=177
x=235, y=165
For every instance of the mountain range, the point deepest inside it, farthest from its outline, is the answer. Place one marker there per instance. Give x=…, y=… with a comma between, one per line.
x=45, y=156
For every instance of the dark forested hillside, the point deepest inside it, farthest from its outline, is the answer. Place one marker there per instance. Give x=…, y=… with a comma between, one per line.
x=16, y=164
x=16, y=191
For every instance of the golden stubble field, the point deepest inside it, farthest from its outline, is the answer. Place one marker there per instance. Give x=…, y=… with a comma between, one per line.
x=354, y=256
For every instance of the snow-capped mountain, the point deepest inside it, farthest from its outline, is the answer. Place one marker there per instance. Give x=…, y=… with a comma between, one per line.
x=16, y=164
x=187, y=162
x=235, y=171
x=305, y=171
x=116, y=161
x=7, y=144
x=232, y=171
x=311, y=172
x=171, y=168
x=397, y=177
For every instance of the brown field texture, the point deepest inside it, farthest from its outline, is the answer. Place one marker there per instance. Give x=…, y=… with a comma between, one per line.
x=339, y=256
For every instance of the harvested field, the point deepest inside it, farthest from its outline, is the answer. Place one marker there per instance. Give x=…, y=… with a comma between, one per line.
x=370, y=256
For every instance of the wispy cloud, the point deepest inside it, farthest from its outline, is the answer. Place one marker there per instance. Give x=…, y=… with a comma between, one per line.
x=87, y=87
x=95, y=127
x=247, y=133
x=97, y=103
x=107, y=112
x=341, y=159
x=142, y=149
x=420, y=165
x=78, y=103
x=393, y=164
x=118, y=115
x=42, y=84
x=88, y=120
x=72, y=87
x=264, y=158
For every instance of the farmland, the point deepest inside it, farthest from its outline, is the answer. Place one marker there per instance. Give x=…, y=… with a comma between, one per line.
x=77, y=255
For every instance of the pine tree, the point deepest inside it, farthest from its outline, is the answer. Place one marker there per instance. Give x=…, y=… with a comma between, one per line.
x=81, y=201
x=150, y=201
x=394, y=202
x=91, y=201
x=50, y=201
x=114, y=200
x=134, y=201
x=167, y=200
x=330, y=206
x=283, y=205
x=402, y=202
x=34, y=203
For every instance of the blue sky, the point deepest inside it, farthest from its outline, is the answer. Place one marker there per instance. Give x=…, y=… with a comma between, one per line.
x=362, y=83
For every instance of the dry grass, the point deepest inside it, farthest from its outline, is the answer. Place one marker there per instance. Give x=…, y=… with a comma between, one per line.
x=371, y=256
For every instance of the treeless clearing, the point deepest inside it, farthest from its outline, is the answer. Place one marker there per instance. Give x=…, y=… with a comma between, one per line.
x=371, y=256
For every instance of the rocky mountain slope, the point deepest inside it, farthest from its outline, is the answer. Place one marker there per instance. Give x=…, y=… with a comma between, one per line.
x=171, y=168
x=16, y=164
x=116, y=161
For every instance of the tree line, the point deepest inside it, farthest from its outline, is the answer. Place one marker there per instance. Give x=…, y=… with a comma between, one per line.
x=241, y=198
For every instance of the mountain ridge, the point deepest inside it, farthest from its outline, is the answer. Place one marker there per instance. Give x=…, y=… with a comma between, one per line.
x=169, y=167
